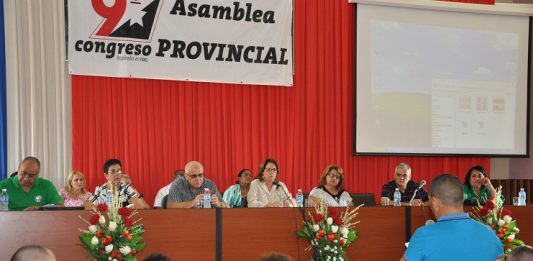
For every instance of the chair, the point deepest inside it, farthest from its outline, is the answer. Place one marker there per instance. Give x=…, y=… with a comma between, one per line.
x=164, y=201
x=363, y=198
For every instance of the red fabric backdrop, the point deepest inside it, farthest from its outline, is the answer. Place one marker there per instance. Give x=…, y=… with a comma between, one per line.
x=156, y=126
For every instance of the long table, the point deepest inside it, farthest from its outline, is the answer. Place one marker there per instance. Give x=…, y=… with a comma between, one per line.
x=227, y=234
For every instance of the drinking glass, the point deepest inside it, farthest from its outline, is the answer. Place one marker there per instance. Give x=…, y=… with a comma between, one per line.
x=515, y=201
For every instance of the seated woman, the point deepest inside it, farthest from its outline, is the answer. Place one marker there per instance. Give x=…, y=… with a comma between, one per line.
x=235, y=195
x=477, y=185
x=75, y=193
x=330, y=188
x=266, y=190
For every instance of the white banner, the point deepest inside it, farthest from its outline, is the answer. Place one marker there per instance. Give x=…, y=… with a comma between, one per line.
x=225, y=41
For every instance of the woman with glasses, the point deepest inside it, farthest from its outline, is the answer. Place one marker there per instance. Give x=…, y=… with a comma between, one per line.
x=75, y=193
x=477, y=186
x=235, y=195
x=266, y=190
x=330, y=188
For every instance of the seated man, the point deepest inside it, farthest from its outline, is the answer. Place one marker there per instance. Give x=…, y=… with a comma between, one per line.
x=455, y=233
x=187, y=191
x=27, y=191
x=521, y=253
x=402, y=180
x=127, y=194
x=164, y=190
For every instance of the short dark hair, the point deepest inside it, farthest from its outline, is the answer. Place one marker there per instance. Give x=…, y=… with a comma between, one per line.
x=469, y=174
x=111, y=162
x=32, y=252
x=326, y=171
x=447, y=188
x=31, y=158
x=275, y=257
x=522, y=253
x=156, y=257
x=262, y=167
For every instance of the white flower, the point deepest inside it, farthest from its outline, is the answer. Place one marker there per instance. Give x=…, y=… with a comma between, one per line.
x=92, y=228
x=316, y=227
x=344, y=231
x=125, y=250
x=334, y=258
x=94, y=241
x=511, y=236
x=326, y=248
x=109, y=258
x=334, y=229
x=501, y=222
x=109, y=248
x=330, y=221
x=507, y=219
x=516, y=230
x=112, y=226
x=489, y=220
x=101, y=220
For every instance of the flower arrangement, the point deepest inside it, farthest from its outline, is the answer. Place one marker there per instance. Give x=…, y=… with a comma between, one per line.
x=329, y=231
x=499, y=219
x=112, y=234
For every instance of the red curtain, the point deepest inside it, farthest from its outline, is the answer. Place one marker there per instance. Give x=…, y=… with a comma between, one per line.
x=157, y=126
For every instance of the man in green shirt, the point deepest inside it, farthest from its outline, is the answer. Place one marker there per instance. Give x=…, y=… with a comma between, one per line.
x=27, y=191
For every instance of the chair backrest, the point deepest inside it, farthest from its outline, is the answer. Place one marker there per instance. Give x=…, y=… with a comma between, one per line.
x=164, y=201
x=363, y=198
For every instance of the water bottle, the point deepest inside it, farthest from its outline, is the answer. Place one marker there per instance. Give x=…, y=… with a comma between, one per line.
x=207, y=198
x=109, y=197
x=522, y=197
x=397, y=198
x=300, y=199
x=4, y=201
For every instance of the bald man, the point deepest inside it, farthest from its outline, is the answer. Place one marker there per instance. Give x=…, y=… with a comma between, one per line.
x=27, y=191
x=33, y=253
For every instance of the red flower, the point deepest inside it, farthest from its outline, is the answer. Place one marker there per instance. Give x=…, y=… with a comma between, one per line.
x=484, y=211
x=317, y=218
x=94, y=219
x=101, y=207
x=103, y=252
x=128, y=222
x=338, y=221
x=124, y=211
x=489, y=204
x=331, y=237
x=133, y=252
x=113, y=254
x=332, y=212
x=342, y=242
x=506, y=211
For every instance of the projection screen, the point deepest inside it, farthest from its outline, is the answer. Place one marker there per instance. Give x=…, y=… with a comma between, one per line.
x=441, y=81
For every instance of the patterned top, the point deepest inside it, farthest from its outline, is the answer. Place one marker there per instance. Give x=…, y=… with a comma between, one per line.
x=74, y=201
x=232, y=196
x=388, y=191
x=126, y=192
x=342, y=199
x=180, y=190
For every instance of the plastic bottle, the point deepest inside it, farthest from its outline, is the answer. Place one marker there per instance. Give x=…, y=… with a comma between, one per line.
x=397, y=198
x=4, y=201
x=300, y=198
x=207, y=198
x=522, y=197
x=109, y=197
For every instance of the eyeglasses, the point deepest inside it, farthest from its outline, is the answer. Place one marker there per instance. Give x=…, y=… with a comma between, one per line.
x=401, y=175
x=193, y=176
x=331, y=175
x=29, y=175
x=114, y=171
x=477, y=176
x=271, y=170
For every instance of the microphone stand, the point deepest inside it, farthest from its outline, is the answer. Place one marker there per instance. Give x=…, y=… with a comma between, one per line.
x=413, y=197
x=286, y=194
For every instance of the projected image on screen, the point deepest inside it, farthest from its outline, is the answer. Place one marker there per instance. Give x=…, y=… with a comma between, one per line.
x=437, y=87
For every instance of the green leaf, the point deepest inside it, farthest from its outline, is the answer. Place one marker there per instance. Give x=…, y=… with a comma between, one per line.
x=302, y=234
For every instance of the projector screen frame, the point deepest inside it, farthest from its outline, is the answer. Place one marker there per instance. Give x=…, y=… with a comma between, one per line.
x=456, y=7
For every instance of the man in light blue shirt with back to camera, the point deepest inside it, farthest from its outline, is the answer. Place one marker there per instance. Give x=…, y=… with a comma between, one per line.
x=455, y=236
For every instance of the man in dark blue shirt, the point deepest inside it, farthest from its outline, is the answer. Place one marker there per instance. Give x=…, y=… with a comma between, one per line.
x=407, y=187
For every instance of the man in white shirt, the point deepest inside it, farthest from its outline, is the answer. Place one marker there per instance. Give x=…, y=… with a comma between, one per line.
x=164, y=190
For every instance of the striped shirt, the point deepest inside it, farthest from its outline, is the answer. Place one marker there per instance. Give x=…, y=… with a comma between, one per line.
x=126, y=192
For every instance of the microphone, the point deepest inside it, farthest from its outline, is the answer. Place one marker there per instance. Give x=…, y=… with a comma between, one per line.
x=276, y=182
x=422, y=183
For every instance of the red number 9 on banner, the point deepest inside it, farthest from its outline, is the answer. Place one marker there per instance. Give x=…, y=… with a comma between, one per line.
x=111, y=14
